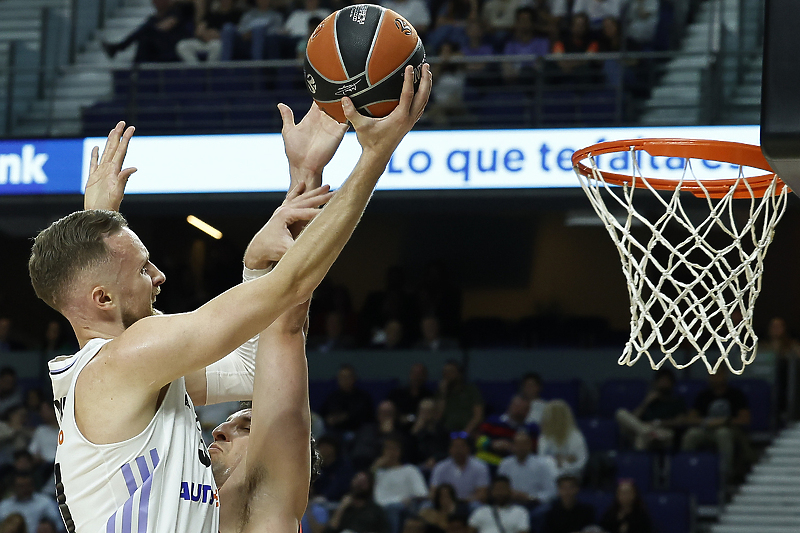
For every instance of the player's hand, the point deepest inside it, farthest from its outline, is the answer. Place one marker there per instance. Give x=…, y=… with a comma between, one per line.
x=275, y=238
x=310, y=145
x=106, y=184
x=381, y=136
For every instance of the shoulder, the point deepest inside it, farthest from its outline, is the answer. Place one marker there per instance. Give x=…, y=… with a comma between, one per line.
x=506, y=464
x=480, y=513
x=477, y=464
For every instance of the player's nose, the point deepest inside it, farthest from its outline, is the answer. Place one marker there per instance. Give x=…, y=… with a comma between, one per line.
x=220, y=433
x=158, y=276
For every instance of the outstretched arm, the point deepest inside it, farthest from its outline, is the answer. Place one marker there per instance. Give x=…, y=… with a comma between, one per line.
x=143, y=359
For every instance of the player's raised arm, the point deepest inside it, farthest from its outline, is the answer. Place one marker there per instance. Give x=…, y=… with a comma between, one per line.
x=145, y=354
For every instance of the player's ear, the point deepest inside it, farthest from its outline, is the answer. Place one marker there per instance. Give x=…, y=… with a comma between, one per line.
x=102, y=297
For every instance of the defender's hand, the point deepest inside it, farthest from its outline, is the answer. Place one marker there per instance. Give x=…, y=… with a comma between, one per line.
x=106, y=184
x=275, y=238
x=310, y=145
x=380, y=136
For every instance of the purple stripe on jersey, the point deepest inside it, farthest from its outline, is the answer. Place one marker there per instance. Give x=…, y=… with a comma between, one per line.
x=144, y=505
x=130, y=481
x=127, y=512
x=143, y=470
x=62, y=370
x=112, y=523
x=154, y=457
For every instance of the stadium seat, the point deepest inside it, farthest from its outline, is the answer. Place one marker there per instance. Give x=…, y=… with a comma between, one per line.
x=600, y=433
x=567, y=390
x=598, y=108
x=759, y=396
x=235, y=81
x=182, y=82
x=558, y=108
x=689, y=389
x=621, y=393
x=497, y=394
x=637, y=466
x=669, y=511
x=600, y=500
x=696, y=473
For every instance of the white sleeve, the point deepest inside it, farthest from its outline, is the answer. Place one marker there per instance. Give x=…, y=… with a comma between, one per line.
x=477, y=519
x=546, y=485
x=417, y=483
x=522, y=519
x=231, y=378
x=578, y=448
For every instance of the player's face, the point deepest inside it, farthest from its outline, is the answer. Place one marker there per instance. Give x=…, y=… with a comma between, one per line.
x=230, y=445
x=137, y=278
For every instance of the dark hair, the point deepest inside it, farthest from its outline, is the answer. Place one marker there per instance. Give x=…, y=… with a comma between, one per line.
x=437, y=495
x=330, y=440
x=638, y=503
x=529, y=10
x=69, y=245
x=459, y=366
x=534, y=376
x=7, y=371
x=665, y=373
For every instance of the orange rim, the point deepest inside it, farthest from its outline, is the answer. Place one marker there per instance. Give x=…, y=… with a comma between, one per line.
x=746, y=155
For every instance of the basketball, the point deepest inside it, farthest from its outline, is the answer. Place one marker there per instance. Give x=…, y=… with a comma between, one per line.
x=361, y=52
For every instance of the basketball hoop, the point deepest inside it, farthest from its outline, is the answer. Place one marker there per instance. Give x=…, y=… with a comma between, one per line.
x=688, y=290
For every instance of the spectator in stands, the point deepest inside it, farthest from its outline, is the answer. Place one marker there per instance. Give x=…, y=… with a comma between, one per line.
x=262, y=16
x=497, y=432
x=641, y=22
x=578, y=40
x=431, y=326
x=296, y=25
x=157, y=38
x=449, y=82
x=207, y=33
x=358, y=512
x=430, y=438
x=478, y=74
x=501, y=515
x=33, y=404
x=561, y=439
x=414, y=11
x=316, y=516
x=653, y=423
x=414, y=524
x=460, y=403
x=30, y=504
x=597, y=10
x=628, y=513
x=719, y=418
x=368, y=441
x=336, y=472
x=46, y=526
x=14, y=434
x=406, y=399
x=398, y=485
x=787, y=358
x=14, y=523
x=7, y=343
x=10, y=395
x=531, y=390
x=302, y=44
x=258, y=35
x=524, y=41
x=445, y=504
x=567, y=514
x=395, y=301
x=468, y=475
x=347, y=408
x=499, y=15
x=451, y=20
x=45, y=440
x=533, y=477
x=335, y=338
x=390, y=337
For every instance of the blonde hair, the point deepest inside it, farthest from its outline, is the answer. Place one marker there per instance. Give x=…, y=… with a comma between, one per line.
x=557, y=421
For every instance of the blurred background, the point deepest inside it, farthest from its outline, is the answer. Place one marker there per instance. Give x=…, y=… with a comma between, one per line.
x=462, y=350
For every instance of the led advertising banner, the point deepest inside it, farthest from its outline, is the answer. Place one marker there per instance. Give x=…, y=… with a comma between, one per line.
x=425, y=160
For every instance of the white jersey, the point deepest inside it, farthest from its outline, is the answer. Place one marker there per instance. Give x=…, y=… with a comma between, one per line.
x=159, y=481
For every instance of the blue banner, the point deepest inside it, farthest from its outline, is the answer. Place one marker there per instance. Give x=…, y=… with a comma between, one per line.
x=41, y=166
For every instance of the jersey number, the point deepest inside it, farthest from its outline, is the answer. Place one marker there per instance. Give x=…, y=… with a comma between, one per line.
x=62, y=500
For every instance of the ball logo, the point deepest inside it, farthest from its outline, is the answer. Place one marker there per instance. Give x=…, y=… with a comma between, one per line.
x=311, y=84
x=346, y=89
x=403, y=26
x=359, y=13
x=317, y=30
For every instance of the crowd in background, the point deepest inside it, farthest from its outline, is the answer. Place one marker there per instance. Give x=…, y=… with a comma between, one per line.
x=194, y=30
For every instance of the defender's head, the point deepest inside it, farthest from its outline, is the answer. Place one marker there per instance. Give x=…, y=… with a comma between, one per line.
x=91, y=267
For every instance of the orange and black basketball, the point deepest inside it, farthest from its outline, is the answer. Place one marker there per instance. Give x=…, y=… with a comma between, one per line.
x=361, y=52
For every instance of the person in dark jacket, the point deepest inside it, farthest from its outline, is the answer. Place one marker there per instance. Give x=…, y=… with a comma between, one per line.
x=567, y=514
x=628, y=513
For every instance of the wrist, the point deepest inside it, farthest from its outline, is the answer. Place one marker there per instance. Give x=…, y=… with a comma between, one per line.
x=311, y=177
x=251, y=271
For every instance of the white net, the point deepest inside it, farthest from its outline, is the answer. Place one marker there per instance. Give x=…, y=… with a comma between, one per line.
x=692, y=279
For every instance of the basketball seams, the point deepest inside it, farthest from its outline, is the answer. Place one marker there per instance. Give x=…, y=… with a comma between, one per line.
x=336, y=42
x=402, y=64
x=374, y=42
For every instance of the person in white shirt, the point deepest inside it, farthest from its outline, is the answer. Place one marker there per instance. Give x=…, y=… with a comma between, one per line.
x=531, y=390
x=32, y=506
x=416, y=12
x=641, y=22
x=500, y=516
x=297, y=24
x=467, y=474
x=533, y=477
x=397, y=485
x=597, y=10
x=562, y=440
x=45, y=437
